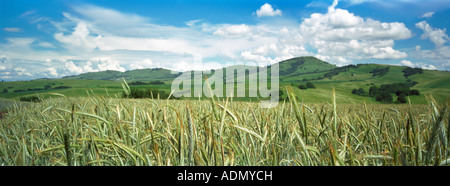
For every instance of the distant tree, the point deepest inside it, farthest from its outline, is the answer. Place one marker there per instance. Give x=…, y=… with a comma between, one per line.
x=414, y=92
x=5, y=90
x=62, y=87
x=47, y=86
x=359, y=91
x=384, y=97
x=401, y=98
x=147, y=93
x=404, y=91
x=302, y=87
x=137, y=83
x=310, y=85
x=30, y=99
x=373, y=91
x=379, y=71
x=156, y=82
x=408, y=71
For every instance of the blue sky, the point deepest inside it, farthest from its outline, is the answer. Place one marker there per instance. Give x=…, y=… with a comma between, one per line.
x=56, y=38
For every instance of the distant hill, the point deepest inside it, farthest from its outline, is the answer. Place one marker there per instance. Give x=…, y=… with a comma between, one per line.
x=303, y=65
x=295, y=72
x=131, y=75
x=288, y=68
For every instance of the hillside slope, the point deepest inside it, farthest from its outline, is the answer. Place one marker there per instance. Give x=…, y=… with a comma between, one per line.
x=131, y=75
x=293, y=72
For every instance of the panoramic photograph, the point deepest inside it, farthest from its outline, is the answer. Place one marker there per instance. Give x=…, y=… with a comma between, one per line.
x=201, y=83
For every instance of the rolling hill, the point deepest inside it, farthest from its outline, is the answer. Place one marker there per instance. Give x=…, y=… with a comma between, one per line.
x=132, y=75
x=293, y=72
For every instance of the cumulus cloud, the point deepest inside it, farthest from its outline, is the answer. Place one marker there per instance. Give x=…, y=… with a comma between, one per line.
x=2, y=68
x=267, y=10
x=338, y=60
x=288, y=44
x=437, y=36
x=420, y=65
x=22, y=71
x=146, y=63
x=340, y=34
x=407, y=63
x=78, y=69
x=439, y=53
x=80, y=39
x=108, y=63
x=52, y=72
x=339, y=24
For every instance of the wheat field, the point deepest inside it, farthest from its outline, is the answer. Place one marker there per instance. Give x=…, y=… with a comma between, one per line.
x=107, y=131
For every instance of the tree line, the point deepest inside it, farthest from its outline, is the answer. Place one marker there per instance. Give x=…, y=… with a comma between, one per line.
x=385, y=91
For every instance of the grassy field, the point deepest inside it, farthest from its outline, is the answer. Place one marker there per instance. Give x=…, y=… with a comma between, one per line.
x=293, y=72
x=108, y=131
x=83, y=120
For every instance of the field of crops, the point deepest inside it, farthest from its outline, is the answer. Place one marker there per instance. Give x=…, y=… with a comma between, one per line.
x=104, y=131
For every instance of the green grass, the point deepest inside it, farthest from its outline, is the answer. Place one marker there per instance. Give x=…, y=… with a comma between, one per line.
x=107, y=131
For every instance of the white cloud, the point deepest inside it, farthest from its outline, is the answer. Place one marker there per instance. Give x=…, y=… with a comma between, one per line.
x=437, y=36
x=91, y=36
x=19, y=44
x=233, y=31
x=418, y=48
x=407, y=63
x=427, y=15
x=338, y=60
x=428, y=66
x=439, y=53
x=107, y=63
x=146, y=63
x=267, y=10
x=12, y=29
x=105, y=16
x=46, y=45
x=52, y=72
x=340, y=35
x=3, y=59
x=288, y=44
x=78, y=69
x=438, y=58
x=2, y=68
x=22, y=71
x=420, y=65
x=80, y=39
x=192, y=22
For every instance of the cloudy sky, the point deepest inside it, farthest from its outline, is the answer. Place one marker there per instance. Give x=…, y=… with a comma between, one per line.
x=56, y=38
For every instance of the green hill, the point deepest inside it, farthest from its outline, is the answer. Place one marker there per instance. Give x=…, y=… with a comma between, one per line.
x=293, y=72
x=303, y=65
x=132, y=75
